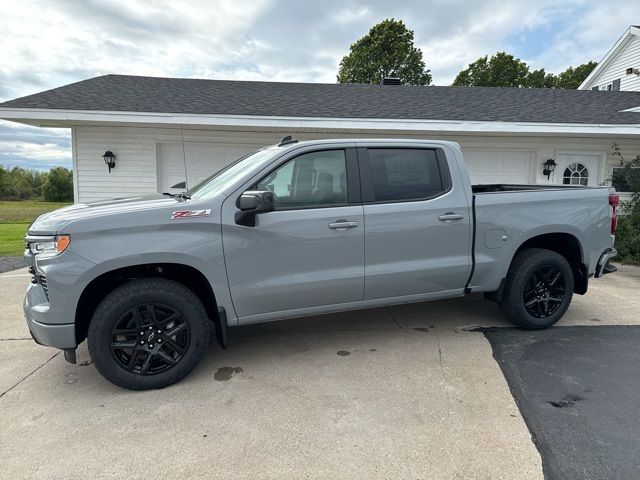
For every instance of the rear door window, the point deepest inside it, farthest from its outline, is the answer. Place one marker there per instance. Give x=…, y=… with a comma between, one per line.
x=404, y=174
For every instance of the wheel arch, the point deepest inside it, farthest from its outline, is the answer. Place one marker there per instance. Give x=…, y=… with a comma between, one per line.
x=563, y=243
x=98, y=288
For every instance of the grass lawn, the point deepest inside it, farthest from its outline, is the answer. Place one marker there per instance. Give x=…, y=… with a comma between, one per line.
x=15, y=218
x=12, y=238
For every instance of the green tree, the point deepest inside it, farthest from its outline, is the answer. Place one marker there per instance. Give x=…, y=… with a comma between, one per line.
x=387, y=50
x=4, y=183
x=501, y=70
x=572, y=77
x=504, y=70
x=58, y=187
x=540, y=79
x=37, y=180
x=18, y=184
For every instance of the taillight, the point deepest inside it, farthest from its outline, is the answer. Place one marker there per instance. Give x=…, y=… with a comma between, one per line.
x=614, y=201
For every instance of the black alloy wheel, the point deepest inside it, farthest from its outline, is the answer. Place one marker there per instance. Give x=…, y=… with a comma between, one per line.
x=149, y=339
x=148, y=333
x=544, y=291
x=538, y=288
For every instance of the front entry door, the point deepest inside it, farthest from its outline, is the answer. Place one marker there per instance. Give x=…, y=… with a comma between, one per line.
x=578, y=168
x=309, y=253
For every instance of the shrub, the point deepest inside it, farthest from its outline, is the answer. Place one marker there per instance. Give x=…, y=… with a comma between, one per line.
x=628, y=234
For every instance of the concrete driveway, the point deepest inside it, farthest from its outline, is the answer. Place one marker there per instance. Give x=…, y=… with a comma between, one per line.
x=403, y=392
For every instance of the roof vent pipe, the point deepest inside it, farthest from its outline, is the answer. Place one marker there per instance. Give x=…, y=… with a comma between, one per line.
x=391, y=81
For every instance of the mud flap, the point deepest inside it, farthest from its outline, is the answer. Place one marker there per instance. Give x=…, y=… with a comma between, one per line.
x=70, y=355
x=221, y=327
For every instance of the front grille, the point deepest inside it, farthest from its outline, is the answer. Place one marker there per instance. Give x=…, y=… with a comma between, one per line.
x=43, y=281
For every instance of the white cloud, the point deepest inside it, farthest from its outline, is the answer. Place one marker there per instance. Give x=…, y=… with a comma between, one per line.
x=32, y=147
x=590, y=35
x=46, y=44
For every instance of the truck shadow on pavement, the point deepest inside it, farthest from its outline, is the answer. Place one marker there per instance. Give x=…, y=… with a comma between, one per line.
x=369, y=330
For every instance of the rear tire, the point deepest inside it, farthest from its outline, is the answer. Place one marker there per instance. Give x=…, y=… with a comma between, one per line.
x=148, y=333
x=538, y=289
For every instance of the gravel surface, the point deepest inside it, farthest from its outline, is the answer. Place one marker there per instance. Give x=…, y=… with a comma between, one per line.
x=10, y=263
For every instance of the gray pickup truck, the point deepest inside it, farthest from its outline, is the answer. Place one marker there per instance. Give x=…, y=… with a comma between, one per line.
x=303, y=228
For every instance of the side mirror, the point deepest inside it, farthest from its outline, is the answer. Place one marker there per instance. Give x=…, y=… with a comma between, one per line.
x=251, y=203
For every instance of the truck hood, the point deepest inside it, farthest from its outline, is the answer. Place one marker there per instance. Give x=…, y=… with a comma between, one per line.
x=51, y=222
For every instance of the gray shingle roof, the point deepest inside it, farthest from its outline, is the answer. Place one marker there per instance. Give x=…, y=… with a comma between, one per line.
x=194, y=96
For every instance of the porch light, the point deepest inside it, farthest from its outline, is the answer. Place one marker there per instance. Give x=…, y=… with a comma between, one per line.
x=109, y=159
x=549, y=167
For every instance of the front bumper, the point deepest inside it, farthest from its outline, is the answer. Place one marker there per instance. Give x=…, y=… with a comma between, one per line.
x=51, y=298
x=602, y=268
x=53, y=335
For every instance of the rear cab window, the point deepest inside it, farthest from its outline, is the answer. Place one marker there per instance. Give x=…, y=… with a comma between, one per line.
x=403, y=174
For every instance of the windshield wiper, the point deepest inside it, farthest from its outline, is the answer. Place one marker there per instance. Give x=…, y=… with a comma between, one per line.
x=181, y=196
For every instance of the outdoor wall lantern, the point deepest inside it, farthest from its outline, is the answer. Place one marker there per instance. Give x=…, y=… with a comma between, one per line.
x=549, y=167
x=109, y=159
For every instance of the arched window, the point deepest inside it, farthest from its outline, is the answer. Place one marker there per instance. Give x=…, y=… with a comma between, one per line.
x=575, y=174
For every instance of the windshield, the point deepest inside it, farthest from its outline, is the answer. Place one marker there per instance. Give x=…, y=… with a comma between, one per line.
x=215, y=182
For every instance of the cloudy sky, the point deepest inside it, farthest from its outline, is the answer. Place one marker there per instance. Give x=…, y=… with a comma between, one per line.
x=45, y=44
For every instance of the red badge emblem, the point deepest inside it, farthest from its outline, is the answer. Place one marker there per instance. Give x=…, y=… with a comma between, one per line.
x=190, y=214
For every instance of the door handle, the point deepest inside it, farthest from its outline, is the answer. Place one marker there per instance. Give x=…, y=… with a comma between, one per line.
x=450, y=216
x=342, y=225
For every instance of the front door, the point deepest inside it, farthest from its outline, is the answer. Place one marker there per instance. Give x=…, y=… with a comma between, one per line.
x=418, y=223
x=309, y=253
x=577, y=168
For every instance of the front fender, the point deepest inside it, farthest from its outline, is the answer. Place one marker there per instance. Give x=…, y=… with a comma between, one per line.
x=194, y=244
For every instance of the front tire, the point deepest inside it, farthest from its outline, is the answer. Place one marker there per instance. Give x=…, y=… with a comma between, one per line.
x=538, y=289
x=148, y=333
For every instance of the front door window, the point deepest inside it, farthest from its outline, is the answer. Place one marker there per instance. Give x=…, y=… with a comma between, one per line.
x=311, y=180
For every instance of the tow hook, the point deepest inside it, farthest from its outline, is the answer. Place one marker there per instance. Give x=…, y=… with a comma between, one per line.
x=70, y=355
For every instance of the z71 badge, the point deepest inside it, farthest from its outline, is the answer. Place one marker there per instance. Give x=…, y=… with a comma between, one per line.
x=190, y=214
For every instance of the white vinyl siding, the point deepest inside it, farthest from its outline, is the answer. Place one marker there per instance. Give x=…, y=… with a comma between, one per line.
x=135, y=147
x=629, y=56
x=135, y=171
x=507, y=158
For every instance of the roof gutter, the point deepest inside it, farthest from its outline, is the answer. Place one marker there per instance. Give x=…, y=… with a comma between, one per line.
x=68, y=118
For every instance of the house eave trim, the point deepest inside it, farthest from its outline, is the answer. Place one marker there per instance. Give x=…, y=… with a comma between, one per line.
x=73, y=117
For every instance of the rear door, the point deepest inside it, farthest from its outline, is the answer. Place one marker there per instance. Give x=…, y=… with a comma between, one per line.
x=418, y=222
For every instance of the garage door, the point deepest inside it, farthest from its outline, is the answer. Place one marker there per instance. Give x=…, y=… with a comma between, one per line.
x=201, y=160
x=499, y=166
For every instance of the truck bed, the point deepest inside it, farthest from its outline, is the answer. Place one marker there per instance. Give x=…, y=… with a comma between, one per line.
x=506, y=215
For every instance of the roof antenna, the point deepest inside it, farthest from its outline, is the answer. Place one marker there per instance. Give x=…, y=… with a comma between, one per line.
x=287, y=140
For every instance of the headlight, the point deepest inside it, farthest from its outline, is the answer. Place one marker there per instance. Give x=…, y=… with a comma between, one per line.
x=48, y=246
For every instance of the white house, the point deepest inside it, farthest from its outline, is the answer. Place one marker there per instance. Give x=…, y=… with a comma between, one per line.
x=164, y=131
x=619, y=70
